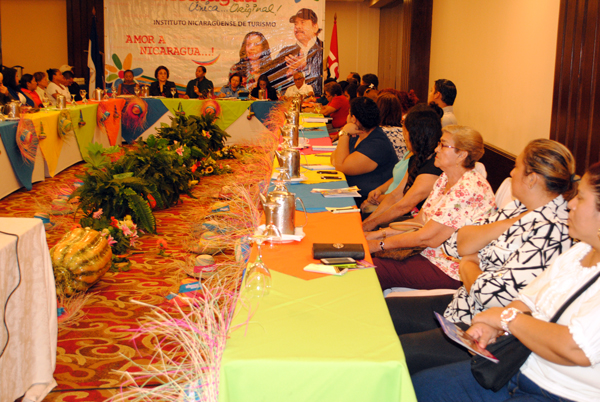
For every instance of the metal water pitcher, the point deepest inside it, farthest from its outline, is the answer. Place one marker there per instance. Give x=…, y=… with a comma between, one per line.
x=290, y=131
x=262, y=94
x=289, y=158
x=284, y=214
x=61, y=101
x=98, y=94
x=145, y=91
x=13, y=109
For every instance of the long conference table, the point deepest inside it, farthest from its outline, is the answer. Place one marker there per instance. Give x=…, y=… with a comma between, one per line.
x=107, y=123
x=315, y=337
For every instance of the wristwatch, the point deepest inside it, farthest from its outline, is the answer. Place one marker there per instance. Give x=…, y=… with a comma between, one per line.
x=507, y=316
x=342, y=133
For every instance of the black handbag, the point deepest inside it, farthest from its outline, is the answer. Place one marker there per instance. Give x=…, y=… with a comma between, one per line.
x=511, y=353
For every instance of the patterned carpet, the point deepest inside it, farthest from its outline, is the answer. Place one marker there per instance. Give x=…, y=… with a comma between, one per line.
x=92, y=348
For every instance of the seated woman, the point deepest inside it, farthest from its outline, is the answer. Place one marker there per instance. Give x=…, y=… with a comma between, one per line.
x=264, y=83
x=128, y=85
x=563, y=363
x=500, y=256
x=162, y=87
x=403, y=193
x=4, y=94
x=391, y=121
x=459, y=195
x=231, y=90
x=350, y=92
x=56, y=86
x=28, y=86
x=10, y=82
x=337, y=106
x=42, y=82
x=364, y=153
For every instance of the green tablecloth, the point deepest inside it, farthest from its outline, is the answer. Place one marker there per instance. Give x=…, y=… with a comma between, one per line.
x=327, y=339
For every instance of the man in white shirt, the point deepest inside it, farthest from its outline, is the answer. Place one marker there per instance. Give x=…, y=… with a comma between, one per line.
x=443, y=93
x=299, y=87
x=305, y=55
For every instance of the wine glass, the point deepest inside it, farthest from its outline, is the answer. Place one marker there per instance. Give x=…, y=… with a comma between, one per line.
x=257, y=281
x=317, y=108
x=45, y=102
x=173, y=90
x=271, y=231
x=113, y=91
x=83, y=93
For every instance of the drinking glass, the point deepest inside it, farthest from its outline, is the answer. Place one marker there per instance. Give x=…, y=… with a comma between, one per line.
x=173, y=90
x=317, y=108
x=45, y=102
x=113, y=91
x=83, y=93
x=257, y=281
x=137, y=90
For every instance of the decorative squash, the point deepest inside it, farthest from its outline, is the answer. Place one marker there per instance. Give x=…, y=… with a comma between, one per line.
x=79, y=260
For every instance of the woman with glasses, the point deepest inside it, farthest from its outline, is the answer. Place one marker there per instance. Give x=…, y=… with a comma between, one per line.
x=460, y=195
x=500, y=255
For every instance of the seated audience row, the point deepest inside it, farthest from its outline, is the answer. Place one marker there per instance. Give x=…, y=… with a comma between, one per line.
x=563, y=363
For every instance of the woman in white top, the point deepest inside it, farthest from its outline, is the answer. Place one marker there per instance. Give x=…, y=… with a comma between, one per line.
x=42, y=80
x=565, y=361
x=56, y=86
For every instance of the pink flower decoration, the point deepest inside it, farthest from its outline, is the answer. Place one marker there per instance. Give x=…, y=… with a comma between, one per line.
x=179, y=151
x=97, y=214
x=132, y=241
x=111, y=241
x=126, y=230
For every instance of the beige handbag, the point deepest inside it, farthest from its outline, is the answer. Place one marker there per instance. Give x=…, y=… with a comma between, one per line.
x=401, y=253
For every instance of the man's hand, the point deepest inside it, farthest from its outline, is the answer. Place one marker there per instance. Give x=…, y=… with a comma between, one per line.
x=294, y=63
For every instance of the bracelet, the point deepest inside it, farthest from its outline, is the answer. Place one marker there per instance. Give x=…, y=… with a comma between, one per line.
x=342, y=133
x=381, y=245
x=507, y=316
x=384, y=235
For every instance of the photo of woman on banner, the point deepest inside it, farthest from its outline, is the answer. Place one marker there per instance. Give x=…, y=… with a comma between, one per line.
x=306, y=55
x=255, y=58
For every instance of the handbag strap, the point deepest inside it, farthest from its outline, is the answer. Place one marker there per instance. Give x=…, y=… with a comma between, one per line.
x=575, y=296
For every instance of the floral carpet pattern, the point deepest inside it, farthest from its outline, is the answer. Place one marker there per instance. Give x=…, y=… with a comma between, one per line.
x=98, y=344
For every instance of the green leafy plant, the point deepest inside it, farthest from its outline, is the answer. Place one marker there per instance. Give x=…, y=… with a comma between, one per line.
x=167, y=168
x=201, y=132
x=118, y=193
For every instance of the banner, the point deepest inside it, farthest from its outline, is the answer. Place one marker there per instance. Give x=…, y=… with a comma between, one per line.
x=249, y=37
x=332, y=60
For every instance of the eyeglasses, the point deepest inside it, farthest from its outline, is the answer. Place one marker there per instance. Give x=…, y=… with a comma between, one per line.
x=446, y=146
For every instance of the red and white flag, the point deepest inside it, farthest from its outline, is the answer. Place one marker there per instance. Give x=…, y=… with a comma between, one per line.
x=332, y=59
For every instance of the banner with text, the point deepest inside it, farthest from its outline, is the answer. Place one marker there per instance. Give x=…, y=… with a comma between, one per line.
x=248, y=37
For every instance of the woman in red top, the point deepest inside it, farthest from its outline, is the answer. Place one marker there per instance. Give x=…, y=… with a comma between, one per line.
x=338, y=106
x=28, y=85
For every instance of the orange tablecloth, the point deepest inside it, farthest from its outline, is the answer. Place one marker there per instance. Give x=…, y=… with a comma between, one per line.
x=322, y=227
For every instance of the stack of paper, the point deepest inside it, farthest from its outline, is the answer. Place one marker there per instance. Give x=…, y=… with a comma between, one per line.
x=318, y=167
x=327, y=148
x=316, y=119
x=348, y=192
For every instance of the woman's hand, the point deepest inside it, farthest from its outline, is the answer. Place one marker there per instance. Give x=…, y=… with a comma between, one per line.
x=484, y=334
x=352, y=129
x=373, y=197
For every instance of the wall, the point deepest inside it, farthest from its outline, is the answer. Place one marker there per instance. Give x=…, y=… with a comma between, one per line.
x=34, y=34
x=501, y=56
x=358, y=36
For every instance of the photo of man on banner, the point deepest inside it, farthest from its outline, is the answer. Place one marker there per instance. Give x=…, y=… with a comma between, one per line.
x=306, y=55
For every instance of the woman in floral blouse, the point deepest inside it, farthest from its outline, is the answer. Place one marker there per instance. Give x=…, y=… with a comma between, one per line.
x=500, y=256
x=460, y=195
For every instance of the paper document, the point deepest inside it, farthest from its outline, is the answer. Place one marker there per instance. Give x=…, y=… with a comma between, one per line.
x=462, y=338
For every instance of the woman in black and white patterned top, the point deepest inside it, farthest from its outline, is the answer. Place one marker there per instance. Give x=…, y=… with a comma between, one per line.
x=501, y=255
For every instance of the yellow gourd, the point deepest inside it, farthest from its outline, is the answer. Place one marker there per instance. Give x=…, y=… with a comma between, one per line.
x=79, y=260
